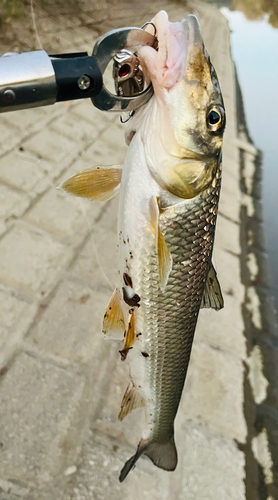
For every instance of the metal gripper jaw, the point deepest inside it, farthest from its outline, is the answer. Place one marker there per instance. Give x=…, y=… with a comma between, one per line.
x=130, y=84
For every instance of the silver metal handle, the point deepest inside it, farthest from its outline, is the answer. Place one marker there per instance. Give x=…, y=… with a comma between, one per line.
x=26, y=80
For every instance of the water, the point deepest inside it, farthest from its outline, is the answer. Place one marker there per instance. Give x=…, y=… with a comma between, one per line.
x=255, y=52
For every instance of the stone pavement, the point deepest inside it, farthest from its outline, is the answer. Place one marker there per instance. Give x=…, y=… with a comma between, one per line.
x=61, y=384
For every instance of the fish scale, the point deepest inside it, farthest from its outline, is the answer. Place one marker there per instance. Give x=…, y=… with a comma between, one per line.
x=169, y=336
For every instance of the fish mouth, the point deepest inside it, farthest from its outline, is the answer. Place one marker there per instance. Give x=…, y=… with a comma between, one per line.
x=191, y=26
x=168, y=64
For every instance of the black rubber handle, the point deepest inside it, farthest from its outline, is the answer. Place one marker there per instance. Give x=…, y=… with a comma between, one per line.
x=77, y=76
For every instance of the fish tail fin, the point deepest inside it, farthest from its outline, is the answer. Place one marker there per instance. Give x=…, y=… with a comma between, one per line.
x=163, y=455
x=132, y=461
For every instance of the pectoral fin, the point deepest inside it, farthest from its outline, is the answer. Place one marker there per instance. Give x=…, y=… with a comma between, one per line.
x=164, y=257
x=97, y=183
x=132, y=400
x=114, y=318
x=212, y=296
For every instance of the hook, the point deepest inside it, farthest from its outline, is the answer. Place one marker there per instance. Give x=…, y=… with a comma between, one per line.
x=131, y=114
x=146, y=24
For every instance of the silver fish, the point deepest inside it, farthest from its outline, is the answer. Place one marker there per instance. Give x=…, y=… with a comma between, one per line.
x=169, y=192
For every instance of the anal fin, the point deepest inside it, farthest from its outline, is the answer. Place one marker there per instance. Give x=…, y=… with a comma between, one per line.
x=164, y=257
x=97, y=183
x=114, y=318
x=132, y=400
x=212, y=296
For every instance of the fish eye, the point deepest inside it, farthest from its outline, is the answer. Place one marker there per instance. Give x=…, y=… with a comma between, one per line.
x=216, y=119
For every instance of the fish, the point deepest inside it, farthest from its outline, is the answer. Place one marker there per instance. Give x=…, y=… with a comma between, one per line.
x=169, y=192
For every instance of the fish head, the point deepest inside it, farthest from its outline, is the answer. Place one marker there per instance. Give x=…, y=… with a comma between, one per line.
x=184, y=125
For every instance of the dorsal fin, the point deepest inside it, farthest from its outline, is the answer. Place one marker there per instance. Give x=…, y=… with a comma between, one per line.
x=97, y=183
x=164, y=258
x=114, y=320
x=212, y=296
x=132, y=400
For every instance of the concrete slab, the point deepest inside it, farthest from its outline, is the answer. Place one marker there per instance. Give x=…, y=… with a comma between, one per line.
x=108, y=220
x=71, y=126
x=224, y=329
x=14, y=489
x=25, y=172
x=115, y=136
x=13, y=204
x=86, y=111
x=65, y=216
x=40, y=405
x=214, y=391
x=96, y=264
x=205, y=459
x=26, y=121
x=57, y=330
x=8, y=496
x=230, y=281
x=16, y=317
x=30, y=259
x=103, y=153
x=8, y=138
x=263, y=375
x=230, y=199
x=50, y=145
x=227, y=235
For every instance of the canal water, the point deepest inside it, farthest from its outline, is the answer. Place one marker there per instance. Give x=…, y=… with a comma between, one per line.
x=255, y=52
